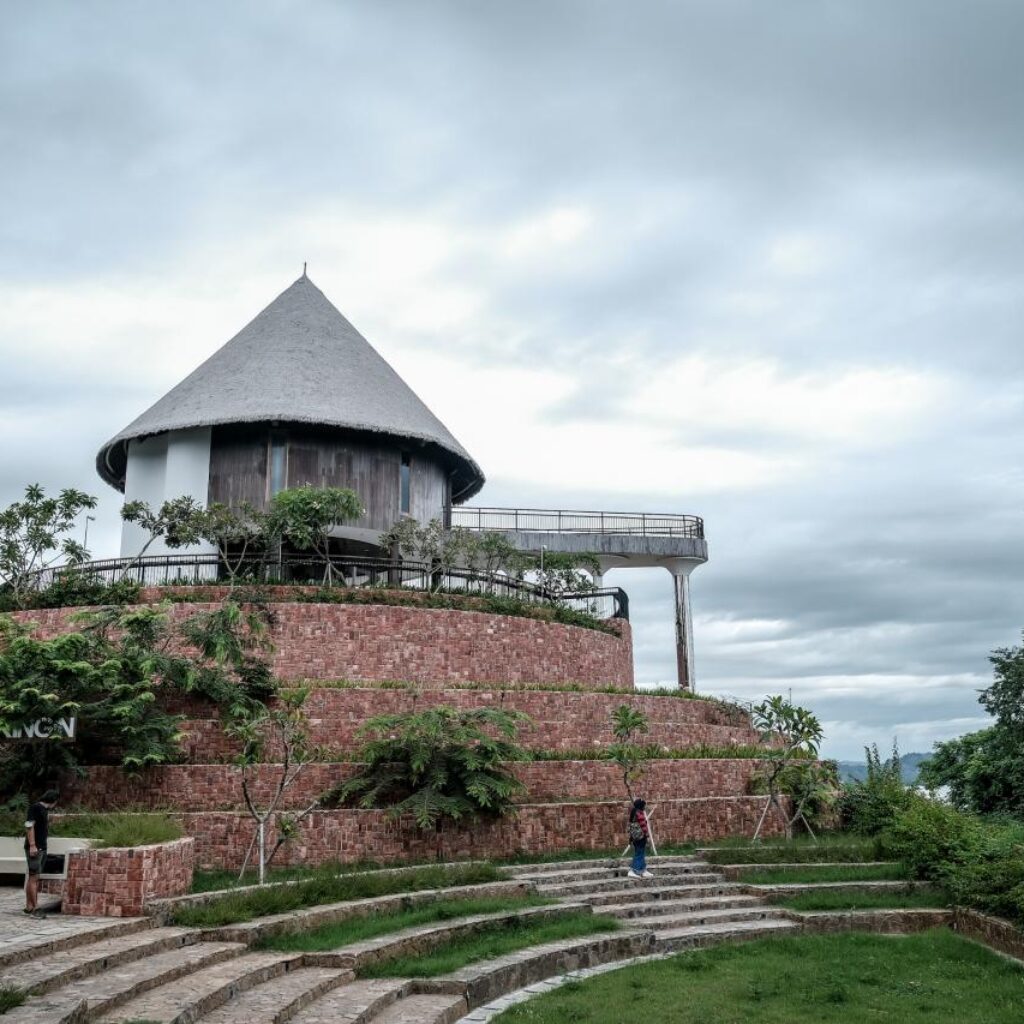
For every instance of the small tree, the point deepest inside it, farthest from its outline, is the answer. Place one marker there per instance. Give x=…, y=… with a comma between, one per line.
x=441, y=765
x=872, y=805
x=178, y=521
x=236, y=532
x=794, y=735
x=561, y=573
x=491, y=553
x=34, y=535
x=305, y=517
x=430, y=543
x=274, y=741
x=628, y=724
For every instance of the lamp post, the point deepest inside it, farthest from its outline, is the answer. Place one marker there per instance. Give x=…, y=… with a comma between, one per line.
x=88, y=520
x=543, y=588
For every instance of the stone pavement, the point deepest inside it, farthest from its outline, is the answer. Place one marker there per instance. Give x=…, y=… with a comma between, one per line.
x=20, y=934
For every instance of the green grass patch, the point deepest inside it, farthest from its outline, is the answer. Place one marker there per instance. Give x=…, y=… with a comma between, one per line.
x=496, y=940
x=846, y=849
x=934, y=977
x=10, y=997
x=883, y=899
x=119, y=828
x=216, y=880
x=756, y=875
x=328, y=887
x=358, y=929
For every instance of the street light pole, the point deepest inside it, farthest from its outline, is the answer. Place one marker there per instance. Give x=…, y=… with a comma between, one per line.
x=85, y=541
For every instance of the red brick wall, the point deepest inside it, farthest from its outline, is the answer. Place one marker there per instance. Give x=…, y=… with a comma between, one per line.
x=218, y=787
x=222, y=837
x=428, y=646
x=119, y=882
x=561, y=720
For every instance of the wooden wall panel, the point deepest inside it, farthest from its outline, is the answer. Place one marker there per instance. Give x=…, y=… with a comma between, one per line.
x=427, y=480
x=238, y=466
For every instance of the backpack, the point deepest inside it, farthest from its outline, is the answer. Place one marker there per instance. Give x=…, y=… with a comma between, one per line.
x=636, y=832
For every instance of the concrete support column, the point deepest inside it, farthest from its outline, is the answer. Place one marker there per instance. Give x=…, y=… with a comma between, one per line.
x=680, y=568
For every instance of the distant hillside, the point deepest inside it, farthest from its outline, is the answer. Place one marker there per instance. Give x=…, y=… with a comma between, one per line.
x=857, y=770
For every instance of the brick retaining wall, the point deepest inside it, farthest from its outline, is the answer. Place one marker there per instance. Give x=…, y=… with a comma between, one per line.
x=1002, y=935
x=118, y=882
x=218, y=787
x=428, y=646
x=346, y=836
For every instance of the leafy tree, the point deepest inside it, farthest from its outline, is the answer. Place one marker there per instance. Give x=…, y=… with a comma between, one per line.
x=305, y=517
x=491, y=553
x=441, y=765
x=870, y=806
x=628, y=724
x=34, y=535
x=793, y=735
x=984, y=770
x=561, y=573
x=178, y=521
x=236, y=533
x=429, y=543
x=275, y=742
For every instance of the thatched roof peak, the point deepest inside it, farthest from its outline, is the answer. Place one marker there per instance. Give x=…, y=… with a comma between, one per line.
x=299, y=361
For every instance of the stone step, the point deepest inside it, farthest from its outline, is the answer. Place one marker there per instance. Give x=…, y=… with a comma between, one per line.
x=694, y=919
x=612, y=871
x=49, y=972
x=654, y=908
x=188, y=998
x=606, y=883
x=418, y=1009
x=39, y=939
x=104, y=992
x=710, y=934
x=595, y=863
x=281, y=998
x=643, y=892
x=356, y=1003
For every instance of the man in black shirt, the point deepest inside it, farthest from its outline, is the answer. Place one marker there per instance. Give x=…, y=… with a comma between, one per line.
x=37, y=832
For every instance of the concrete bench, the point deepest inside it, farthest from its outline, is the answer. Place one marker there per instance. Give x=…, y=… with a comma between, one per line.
x=12, y=855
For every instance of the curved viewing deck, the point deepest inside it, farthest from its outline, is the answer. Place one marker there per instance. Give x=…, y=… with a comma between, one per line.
x=543, y=520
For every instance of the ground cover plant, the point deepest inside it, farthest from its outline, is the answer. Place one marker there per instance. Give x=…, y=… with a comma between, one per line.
x=496, y=940
x=358, y=929
x=327, y=887
x=881, y=899
x=830, y=850
x=758, y=875
x=10, y=997
x=119, y=828
x=931, y=978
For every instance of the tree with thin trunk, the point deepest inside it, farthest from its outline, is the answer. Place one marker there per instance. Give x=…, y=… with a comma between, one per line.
x=305, y=517
x=628, y=724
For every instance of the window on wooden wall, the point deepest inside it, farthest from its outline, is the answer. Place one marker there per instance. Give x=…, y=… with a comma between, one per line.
x=277, y=478
x=405, y=497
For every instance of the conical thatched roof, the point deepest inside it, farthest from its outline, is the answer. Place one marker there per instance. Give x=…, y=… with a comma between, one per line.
x=299, y=361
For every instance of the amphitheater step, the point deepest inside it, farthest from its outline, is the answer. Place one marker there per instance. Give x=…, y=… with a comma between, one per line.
x=621, y=871
x=279, y=999
x=649, y=891
x=581, y=868
x=356, y=1003
x=187, y=998
x=611, y=883
x=656, y=908
x=30, y=944
x=423, y=1010
x=698, y=918
x=710, y=934
x=114, y=987
x=46, y=973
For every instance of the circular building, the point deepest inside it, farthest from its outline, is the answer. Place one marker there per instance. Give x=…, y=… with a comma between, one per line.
x=297, y=397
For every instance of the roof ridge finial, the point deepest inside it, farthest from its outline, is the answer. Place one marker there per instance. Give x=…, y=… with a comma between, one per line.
x=303, y=268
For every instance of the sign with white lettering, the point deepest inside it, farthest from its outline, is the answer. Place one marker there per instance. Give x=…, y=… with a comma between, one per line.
x=43, y=729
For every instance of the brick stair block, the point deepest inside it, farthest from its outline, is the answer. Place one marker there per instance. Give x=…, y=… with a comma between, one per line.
x=419, y=1009
x=77, y=932
x=697, y=918
x=188, y=998
x=595, y=864
x=611, y=884
x=658, y=908
x=61, y=968
x=355, y=1003
x=644, y=892
x=618, y=871
x=710, y=934
x=103, y=993
x=279, y=999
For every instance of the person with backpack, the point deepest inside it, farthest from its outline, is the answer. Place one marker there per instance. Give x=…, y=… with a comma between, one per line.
x=639, y=833
x=37, y=831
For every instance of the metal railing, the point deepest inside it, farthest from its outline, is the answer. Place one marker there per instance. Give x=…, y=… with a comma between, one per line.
x=346, y=571
x=540, y=520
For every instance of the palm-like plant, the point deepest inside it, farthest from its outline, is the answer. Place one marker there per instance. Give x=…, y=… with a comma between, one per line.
x=442, y=764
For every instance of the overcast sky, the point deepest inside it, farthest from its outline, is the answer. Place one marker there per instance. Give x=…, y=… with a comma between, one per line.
x=756, y=261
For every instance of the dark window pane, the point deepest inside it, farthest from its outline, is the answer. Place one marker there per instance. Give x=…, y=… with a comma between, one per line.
x=405, y=500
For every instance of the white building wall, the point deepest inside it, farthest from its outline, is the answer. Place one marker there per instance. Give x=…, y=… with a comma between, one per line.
x=164, y=467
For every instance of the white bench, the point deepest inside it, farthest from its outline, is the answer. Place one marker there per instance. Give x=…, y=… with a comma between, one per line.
x=12, y=855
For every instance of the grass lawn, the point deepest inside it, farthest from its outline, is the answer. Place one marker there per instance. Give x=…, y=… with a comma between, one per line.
x=333, y=936
x=825, y=873
x=920, y=899
x=497, y=940
x=846, y=849
x=328, y=887
x=931, y=978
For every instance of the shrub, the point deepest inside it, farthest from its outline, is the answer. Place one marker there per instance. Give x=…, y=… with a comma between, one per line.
x=929, y=836
x=871, y=806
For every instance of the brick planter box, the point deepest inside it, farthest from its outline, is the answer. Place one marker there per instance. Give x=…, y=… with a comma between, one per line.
x=118, y=882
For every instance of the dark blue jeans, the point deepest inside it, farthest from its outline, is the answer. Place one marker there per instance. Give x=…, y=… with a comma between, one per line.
x=639, y=856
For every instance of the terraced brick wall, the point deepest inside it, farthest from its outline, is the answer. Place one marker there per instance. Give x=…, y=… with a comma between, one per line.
x=119, y=882
x=218, y=787
x=427, y=646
